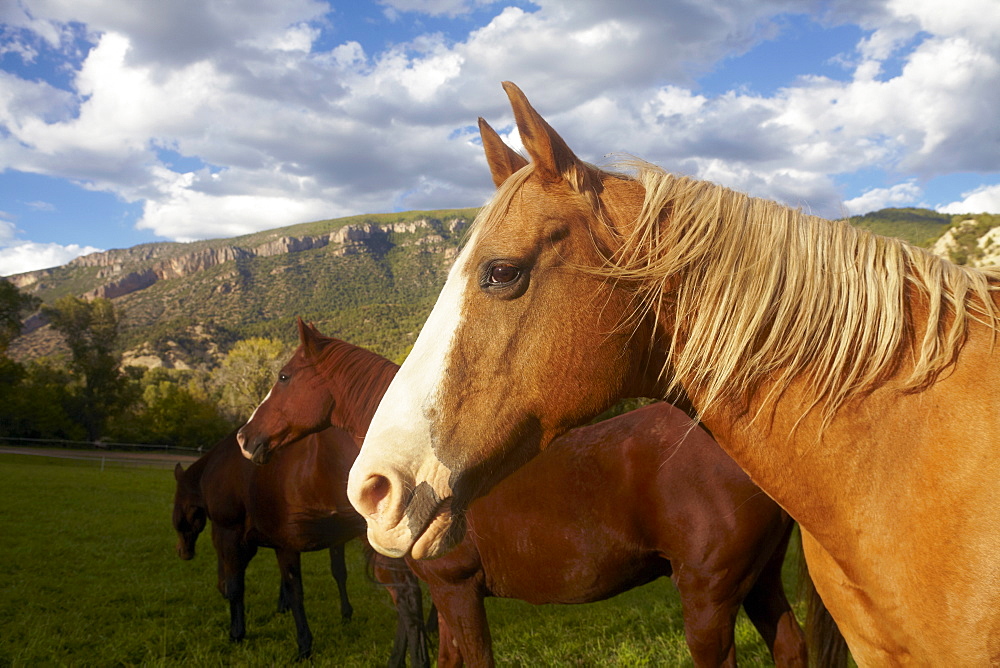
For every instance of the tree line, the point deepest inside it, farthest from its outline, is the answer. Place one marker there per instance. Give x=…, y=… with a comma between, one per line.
x=88, y=395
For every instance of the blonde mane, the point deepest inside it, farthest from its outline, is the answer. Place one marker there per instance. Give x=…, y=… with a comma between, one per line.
x=759, y=291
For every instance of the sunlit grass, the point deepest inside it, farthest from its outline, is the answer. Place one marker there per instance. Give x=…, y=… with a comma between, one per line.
x=89, y=577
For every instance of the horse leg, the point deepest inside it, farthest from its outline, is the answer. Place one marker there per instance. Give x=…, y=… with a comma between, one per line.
x=290, y=563
x=709, y=610
x=404, y=589
x=463, y=627
x=233, y=557
x=338, y=567
x=432, y=619
x=449, y=654
x=768, y=609
x=285, y=594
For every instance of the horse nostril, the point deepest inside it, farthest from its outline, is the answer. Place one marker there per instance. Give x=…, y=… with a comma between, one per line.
x=374, y=491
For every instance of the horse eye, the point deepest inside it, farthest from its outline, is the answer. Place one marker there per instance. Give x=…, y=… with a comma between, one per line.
x=503, y=273
x=282, y=377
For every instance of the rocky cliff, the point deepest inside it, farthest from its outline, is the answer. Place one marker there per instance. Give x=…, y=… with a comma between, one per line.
x=972, y=241
x=371, y=276
x=119, y=277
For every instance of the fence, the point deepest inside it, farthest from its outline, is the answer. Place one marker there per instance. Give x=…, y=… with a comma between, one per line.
x=127, y=454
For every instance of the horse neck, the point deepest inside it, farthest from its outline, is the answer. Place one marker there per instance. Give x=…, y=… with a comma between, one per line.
x=195, y=473
x=357, y=379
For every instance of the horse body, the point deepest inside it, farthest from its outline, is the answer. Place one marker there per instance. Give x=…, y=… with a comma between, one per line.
x=676, y=506
x=852, y=376
x=301, y=502
x=251, y=508
x=883, y=523
x=680, y=507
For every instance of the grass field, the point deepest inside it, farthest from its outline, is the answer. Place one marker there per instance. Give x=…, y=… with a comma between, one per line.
x=89, y=577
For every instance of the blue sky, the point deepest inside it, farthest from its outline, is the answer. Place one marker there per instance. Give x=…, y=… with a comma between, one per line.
x=148, y=121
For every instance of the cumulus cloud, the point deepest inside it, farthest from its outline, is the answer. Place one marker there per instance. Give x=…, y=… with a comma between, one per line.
x=901, y=194
x=288, y=133
x=985, y=199
x=18, y=255
x=29, y=256
x=433, y=7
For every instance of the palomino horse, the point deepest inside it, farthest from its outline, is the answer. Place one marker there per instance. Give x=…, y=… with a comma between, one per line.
x=851, y=375
x=677, y=506
x=295, y=504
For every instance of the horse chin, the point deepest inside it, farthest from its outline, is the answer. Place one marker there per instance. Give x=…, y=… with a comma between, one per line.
x=261, y=455
x=444, y=532
x=256, y=450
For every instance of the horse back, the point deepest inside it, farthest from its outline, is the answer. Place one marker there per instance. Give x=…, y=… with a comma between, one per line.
x=604, y=508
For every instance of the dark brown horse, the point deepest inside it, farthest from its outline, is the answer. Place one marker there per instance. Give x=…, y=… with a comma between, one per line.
x=295, y=504
x=679, y=507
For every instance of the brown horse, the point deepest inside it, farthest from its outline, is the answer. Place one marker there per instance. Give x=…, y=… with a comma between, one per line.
x=678, y=506
x=295, y=504
x=851, y=375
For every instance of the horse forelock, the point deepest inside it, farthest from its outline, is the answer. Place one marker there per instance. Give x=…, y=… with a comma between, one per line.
x=584, y=179
x=760, y=291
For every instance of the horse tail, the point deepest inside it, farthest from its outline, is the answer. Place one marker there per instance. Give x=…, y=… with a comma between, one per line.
x=827, y=647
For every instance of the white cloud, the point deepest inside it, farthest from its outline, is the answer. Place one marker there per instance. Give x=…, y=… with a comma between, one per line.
x=290, y=134
x=18, y=256
x=7, y=229
x=985, y=199
x=901, y=194
x=434, y=7
x=29, y=256
x=190, y=213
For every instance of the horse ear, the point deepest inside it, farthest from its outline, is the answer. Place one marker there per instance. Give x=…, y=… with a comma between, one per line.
x=307, y=337
x=178, y=472
x=552, y=157
x=502, y=159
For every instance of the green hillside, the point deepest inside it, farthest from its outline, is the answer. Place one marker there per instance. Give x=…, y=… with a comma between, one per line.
x=375, y=292
x=921, y=227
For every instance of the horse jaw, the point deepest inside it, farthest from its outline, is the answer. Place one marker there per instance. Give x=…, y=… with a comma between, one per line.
x=398, y=483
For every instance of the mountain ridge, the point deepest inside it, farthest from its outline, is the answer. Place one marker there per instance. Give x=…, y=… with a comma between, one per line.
x=369, y=279
x=214, y=269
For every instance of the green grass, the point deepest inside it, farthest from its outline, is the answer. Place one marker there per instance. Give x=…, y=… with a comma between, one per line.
x=89, y=577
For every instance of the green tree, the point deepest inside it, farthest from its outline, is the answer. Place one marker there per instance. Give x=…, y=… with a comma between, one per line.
x=90, y=329
x=174, y=409
x=41, y=404
x=247, y=373
x=13, y=305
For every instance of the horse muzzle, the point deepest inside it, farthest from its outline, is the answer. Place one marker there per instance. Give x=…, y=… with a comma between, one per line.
x=253, y=447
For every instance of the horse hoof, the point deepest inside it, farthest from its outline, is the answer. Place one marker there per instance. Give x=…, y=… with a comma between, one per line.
x=304, y=655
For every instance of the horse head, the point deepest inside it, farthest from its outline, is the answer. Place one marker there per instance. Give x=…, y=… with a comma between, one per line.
x=299, y=403
x=190, y=515
x=524, y=321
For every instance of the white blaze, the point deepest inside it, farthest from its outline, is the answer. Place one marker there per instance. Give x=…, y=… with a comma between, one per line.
x=239, y=434
x=398, y=443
